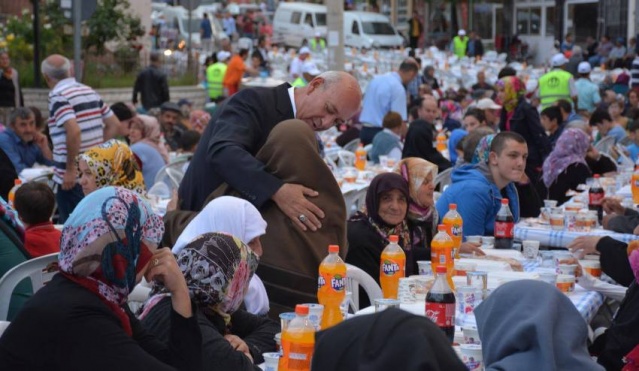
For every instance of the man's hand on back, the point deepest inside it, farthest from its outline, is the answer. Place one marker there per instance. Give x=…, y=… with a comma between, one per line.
x=291, y=199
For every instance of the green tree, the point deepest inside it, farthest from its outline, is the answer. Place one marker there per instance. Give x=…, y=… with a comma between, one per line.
x=111, y=22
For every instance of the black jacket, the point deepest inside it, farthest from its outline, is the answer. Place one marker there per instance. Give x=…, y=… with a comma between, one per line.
x=257, y=332
x=66, y=327
x=419, y=143
x=226, y=151
x=153, y=86
x=574, y=175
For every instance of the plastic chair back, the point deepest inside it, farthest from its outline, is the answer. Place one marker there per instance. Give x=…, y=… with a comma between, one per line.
x=352, y=145
x=356, y=277
x=39, y=270
x=443, y=179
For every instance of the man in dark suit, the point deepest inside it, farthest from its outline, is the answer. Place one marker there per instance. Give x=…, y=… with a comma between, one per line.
x=419, y=139
x=238, y=130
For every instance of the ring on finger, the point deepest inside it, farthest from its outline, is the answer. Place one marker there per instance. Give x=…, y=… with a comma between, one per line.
x=302, y=218
x=156, y=262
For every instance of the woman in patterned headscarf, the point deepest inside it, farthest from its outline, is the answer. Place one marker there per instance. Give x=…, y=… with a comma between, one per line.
x=111, y=163
x=217, y=268
x=519, y=116
x=80, y=319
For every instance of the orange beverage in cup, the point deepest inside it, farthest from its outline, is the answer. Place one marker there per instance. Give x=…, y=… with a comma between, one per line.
x=634, y=185
x=392, y=267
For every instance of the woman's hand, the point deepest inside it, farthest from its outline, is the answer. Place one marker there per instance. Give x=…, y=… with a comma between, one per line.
x=612, y=205
x=471, y=248
x=163, y=268
x=587, y=245
x=240, y=345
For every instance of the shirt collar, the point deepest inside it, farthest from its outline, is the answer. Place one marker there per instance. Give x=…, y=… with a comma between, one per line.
x=291, y=95
x=15, y=136
x=389, y=131
x=62, y=84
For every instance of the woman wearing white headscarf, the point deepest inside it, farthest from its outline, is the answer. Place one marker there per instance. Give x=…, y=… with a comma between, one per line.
x=239, y=218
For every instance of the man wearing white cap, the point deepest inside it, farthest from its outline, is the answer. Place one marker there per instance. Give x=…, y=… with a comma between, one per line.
x=587, y=90
x=296, y=64
x=460, y=44
x=489, y=107
x=317, y=43
x=215, y=76
x=557, y=84
x=309, y=71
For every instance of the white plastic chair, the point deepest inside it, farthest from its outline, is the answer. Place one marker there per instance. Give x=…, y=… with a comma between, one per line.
x=356, y=277
x=352, y=145
x=354, y=201
x=605, y=144
x=443, y=179
x=171, y=174
x=346, y=158
x=40, y=272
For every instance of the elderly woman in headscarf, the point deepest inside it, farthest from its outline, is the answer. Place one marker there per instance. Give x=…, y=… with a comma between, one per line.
x=566, y=167
x=146, y=142
x=239, y=218
x=517, y=334
x=386, y=214
x=80, y=318
x=111, y=163
x=519, y=116
x=217, y=268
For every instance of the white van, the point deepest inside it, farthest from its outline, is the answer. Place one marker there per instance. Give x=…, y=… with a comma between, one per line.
x=370, y=30
x=295, y=22
x=177, y=17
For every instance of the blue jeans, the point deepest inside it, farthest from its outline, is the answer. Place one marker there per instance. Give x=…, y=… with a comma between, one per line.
x=67, y=201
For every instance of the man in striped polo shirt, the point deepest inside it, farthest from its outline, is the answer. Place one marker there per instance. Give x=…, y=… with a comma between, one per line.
x=78, y=120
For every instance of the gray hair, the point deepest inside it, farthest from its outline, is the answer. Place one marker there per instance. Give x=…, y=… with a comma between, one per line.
x=22, y=113
x=576, y=50
x=56, y=73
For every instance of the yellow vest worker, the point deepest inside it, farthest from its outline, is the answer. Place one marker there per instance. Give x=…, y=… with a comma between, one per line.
x=555, y=85
x=460, y=44
x=215, y=76
x=317, y=45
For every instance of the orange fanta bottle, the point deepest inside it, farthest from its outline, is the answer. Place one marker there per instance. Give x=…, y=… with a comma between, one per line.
x=360, y=157
x=331, y=287
x=298, y=341
x=392, y=267
x=441, y=141
x=454, y=227
x=441, y=253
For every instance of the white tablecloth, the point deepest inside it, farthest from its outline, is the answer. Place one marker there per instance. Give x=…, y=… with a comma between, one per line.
x=548, y=237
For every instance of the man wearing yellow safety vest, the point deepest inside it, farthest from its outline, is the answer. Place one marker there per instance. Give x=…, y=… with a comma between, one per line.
x=215, y=76
x=317, y=43
x=557, y=83
x=460, y=44
x=309, y=72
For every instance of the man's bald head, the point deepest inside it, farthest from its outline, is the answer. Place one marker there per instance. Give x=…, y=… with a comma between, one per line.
x=56, y=67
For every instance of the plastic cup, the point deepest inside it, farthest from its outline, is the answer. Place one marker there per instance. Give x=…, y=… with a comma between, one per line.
x=472, y=357
x=557, y=222
x=425, y=268
x=487, y=242
x=383, y=161
x=568, y=269
x=461, y=268
x=548, y=277
x=271, y=361
x=550, y=203
x=561, y=256
x=405, y=291
x=591, y=266
x=565, y=283
x=474, y=239
x=285, y=319
x=315, y=312
x=471, y=335
x=547, y=259
x=278, y=341
x=530, y=249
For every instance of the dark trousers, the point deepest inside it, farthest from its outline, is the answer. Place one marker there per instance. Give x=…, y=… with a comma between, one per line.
x=67, y=201
x=413, y=42
x=367, y=134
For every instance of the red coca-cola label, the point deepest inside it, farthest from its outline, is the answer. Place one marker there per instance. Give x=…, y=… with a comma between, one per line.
x=442, y=314
x=504, y=229
x=595, y=198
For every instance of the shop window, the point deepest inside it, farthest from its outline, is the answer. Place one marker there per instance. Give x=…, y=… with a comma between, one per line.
x=529, y=21
x=550, y=21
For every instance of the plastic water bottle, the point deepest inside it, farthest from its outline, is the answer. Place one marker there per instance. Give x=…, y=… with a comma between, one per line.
x=331, y=287
x=12, y=193
x=392, y=267
x=298, y=342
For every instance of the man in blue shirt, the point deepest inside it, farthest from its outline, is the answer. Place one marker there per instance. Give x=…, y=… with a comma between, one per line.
x=22, y=143
x=587, y=91
x=206, y=34
x=385, y=93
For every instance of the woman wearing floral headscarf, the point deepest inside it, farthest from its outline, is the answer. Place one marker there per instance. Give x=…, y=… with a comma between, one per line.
x=80, y=319
x=146, y=142
x=519, y=116
x=566, y=166
x=217, y=268
x=111, y=163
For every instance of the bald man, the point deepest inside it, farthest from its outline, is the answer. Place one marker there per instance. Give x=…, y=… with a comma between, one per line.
x=78, y=120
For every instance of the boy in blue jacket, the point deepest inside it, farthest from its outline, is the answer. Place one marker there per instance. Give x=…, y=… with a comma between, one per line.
x=477, y=189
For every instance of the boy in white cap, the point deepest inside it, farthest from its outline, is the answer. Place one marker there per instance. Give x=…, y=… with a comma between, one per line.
x=587, y=90
x=460, y=44
x=297, y=63
x=557, y=83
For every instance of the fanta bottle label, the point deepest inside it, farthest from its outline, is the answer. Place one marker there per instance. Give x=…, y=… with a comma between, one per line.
x=337, y=283
x=320, y=282
x=298, y=355
x=457, y=230
x=390, y=267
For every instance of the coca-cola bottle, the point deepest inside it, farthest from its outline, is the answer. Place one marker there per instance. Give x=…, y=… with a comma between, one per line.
x=504, y=227
x=440, y=304
x=595, y=196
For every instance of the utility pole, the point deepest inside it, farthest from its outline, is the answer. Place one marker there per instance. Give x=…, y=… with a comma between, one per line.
x=36, y=43
x=335, y=34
